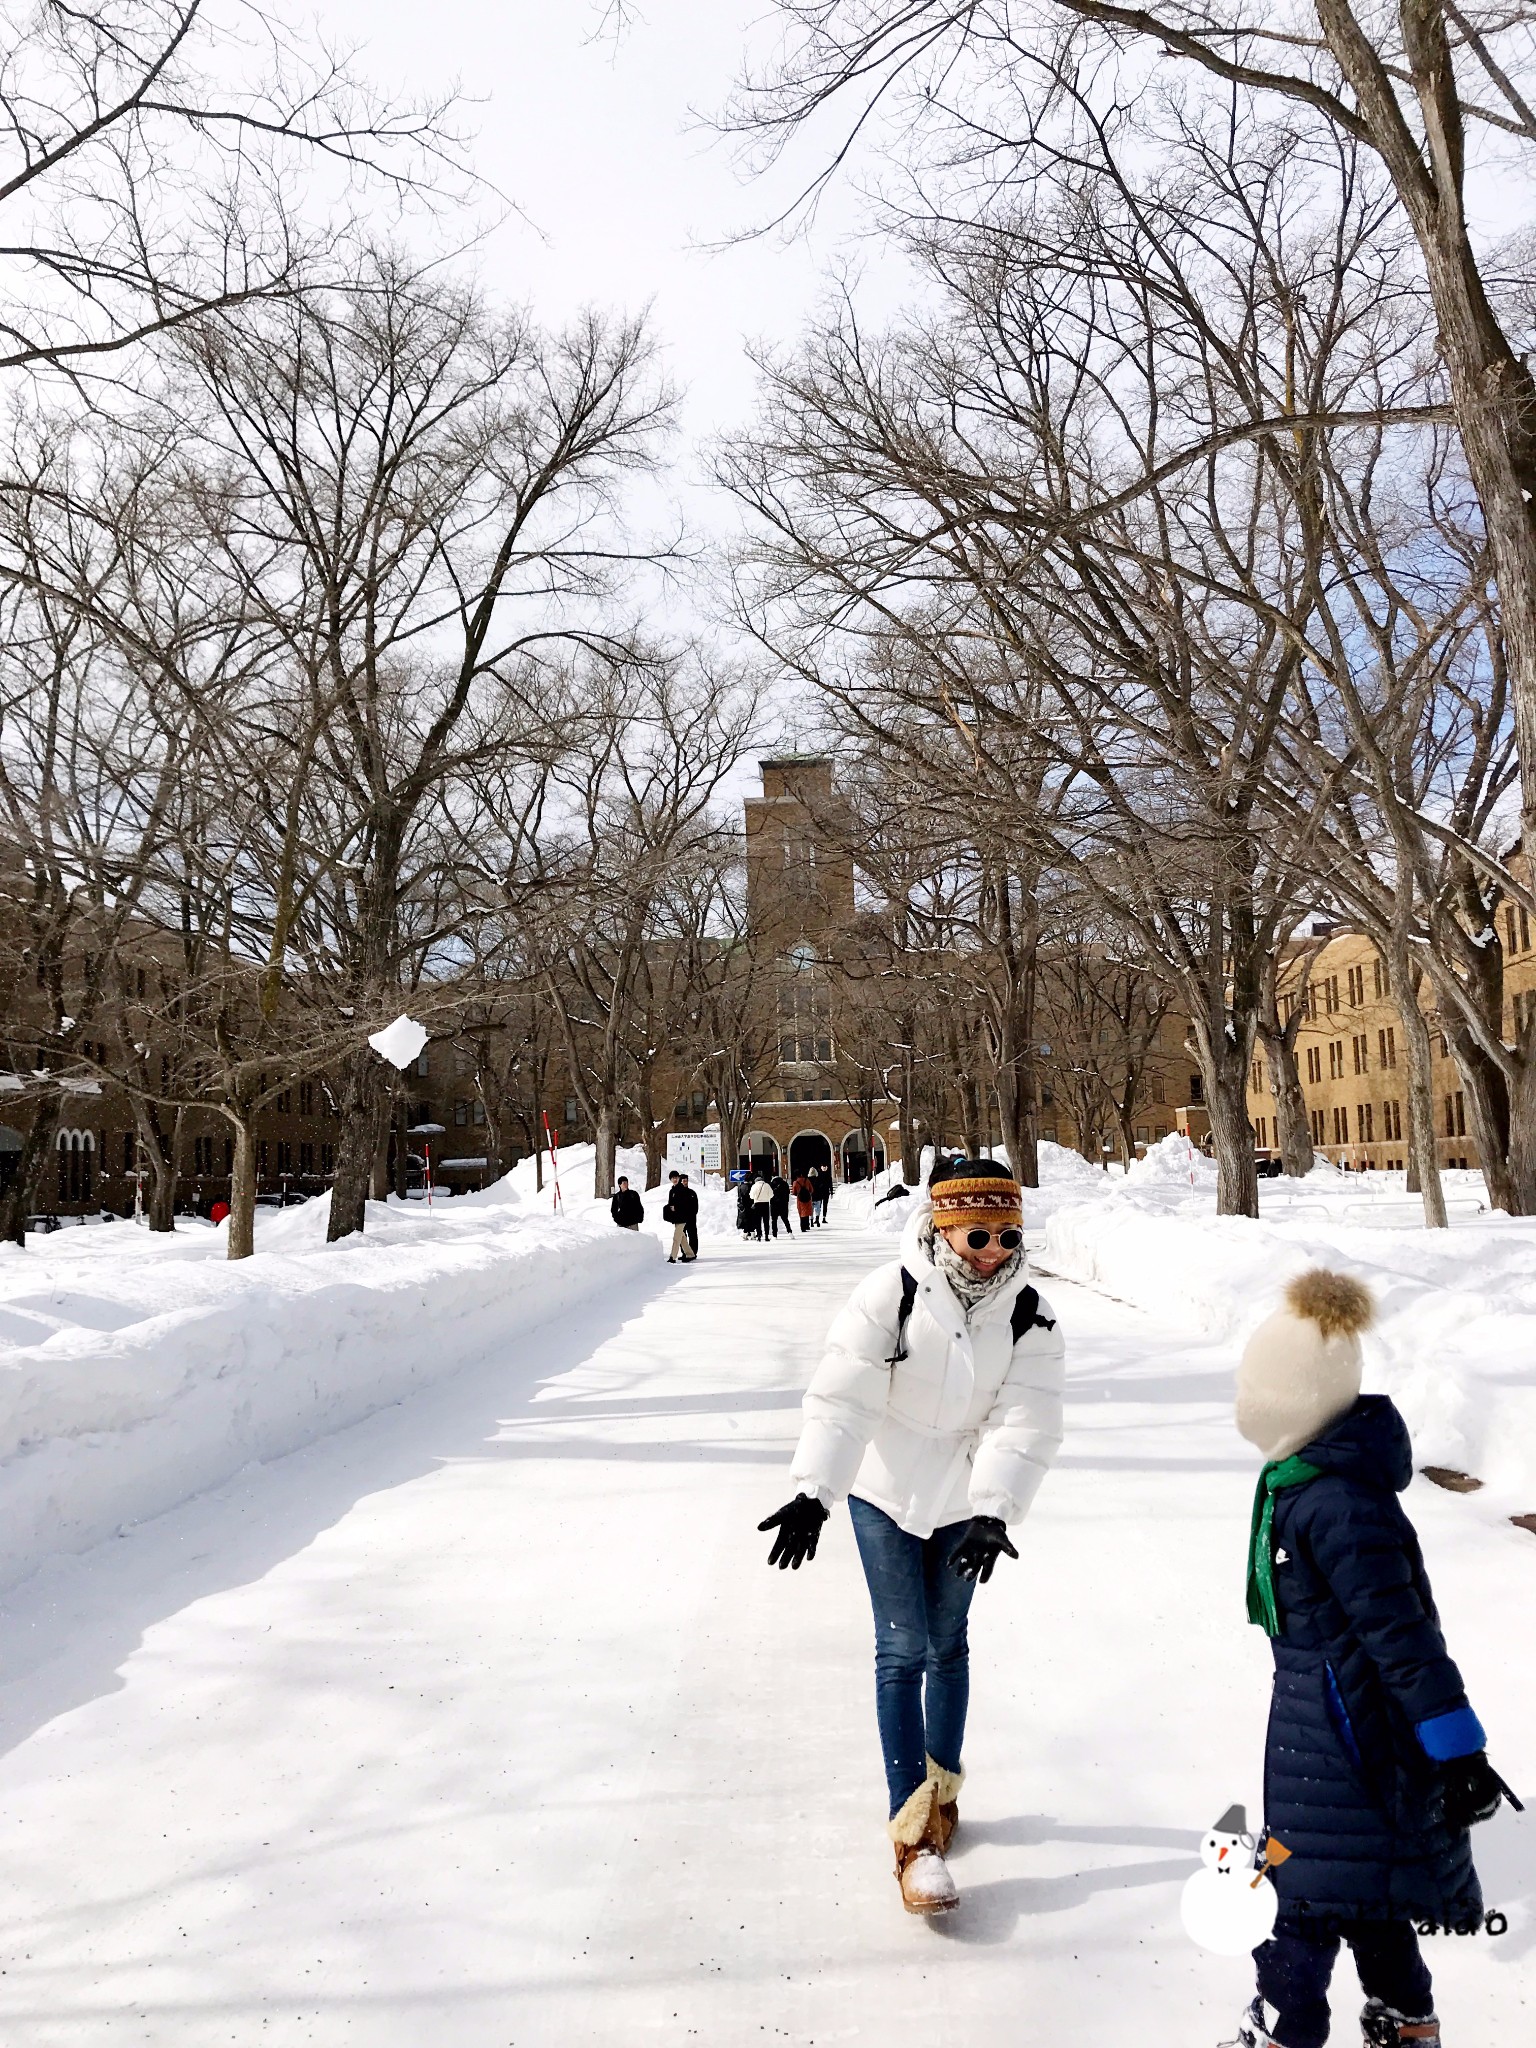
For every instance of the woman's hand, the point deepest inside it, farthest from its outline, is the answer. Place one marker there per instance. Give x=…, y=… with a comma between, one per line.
x=798, y=1524
x=984, y=1541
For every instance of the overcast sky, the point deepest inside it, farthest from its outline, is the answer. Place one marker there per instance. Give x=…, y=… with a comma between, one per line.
x=592, y=139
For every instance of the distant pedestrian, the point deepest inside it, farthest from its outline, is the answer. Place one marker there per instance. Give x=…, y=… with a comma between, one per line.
x=626, y=1207
x=821, y=1184
x=780, y=1188
x=682, y=1212
x=762, y=1206
x=744, y=1205
x=805, y=1199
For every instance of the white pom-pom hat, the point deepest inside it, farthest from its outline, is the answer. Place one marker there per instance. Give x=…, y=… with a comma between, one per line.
x=1301, y=1368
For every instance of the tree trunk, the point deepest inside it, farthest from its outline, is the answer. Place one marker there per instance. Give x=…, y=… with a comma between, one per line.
x=38, y=1148
x=605, y=1145
x=1488, y=1102
x=159, y=1151
x=240, y=1241
x=655, y=1153
x=355, y=1145
x=1419, y=1046
x=1293, y=1130
x=1522, y=1118
x=378, y=1172
x=402, y=1121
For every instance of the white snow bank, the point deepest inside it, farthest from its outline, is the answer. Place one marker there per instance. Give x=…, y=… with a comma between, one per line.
x=1455, y=1339
x=139, y=1370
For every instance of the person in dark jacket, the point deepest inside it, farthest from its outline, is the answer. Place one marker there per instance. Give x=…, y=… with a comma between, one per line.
x=780, y=1188
x=744, y=1205
x=1374, y=1768
x=821, y=1180
x=626, y=1207
x=682, y=1212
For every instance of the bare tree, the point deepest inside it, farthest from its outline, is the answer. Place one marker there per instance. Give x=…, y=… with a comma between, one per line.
x=146, y=147
x=416, y=498
x=1425, y=89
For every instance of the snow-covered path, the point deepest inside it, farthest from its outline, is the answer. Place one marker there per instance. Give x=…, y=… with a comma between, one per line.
x=483, y=1723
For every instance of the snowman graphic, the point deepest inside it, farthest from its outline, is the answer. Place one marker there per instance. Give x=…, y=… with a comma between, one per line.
x=1229, y=1906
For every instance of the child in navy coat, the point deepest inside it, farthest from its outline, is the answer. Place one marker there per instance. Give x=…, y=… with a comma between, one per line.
x=1374, y=1767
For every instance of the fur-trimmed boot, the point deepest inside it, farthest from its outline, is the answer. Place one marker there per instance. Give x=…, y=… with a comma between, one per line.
x=946, y=1786
x=1383, y=2026
x=926, y=1885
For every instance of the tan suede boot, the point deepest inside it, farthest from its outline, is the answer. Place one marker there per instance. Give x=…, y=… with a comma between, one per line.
x=926, y=1885
x=946, y=1786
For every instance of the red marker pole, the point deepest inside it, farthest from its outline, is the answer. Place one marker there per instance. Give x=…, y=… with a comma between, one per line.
x=550, y=1139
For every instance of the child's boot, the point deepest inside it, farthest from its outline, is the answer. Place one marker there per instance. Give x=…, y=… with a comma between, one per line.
x=1253, y=2031
x=1383, y=2026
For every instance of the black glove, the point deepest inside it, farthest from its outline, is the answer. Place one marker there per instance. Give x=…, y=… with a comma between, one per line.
x=1469, y=1790
x=798, y=1524
x=977, y=1551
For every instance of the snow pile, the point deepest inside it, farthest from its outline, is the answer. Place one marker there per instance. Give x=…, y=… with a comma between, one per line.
x=1455, y=1340
x=138, y=1370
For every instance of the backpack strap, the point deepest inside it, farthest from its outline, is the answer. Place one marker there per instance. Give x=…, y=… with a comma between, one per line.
x=1026, y=1314
x=903, y=1315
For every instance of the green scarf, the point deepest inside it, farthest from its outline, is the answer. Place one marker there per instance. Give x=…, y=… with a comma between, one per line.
x=1262, y=1610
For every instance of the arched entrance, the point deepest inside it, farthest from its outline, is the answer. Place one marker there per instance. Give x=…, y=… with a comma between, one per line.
x=808, y=1149
x=759, y=1153
x=856, y=1161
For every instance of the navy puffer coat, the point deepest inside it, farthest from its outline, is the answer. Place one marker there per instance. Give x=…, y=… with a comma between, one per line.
x=1360, y=1668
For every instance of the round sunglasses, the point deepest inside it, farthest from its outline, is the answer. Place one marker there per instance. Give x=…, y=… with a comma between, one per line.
x=1010, y=1240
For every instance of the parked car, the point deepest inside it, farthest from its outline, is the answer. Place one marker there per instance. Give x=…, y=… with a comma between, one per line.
x=44, y=1223
x=1269, y=1166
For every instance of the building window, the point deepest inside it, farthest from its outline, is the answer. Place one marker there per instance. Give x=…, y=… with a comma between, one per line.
x=1356, y=984
x=1314, y=1063
x=805, y=1021
x=77, y=1160
x=261, y=1156
x=1456, y=1115
x=229, y=1155
x=284, y=1104
x=1392, y=1119
x=1335, y=1059
x=1361, y=1046
x=571, y=1107
x=1259, y=1128
x=1378, y=977
x=327, y=1158
x=306, y=1158
x=477, y=1111
x=1365, y=1122
x=1331, y=993
x=1157, y=1088
x=420, y=1064
x=1386, y=1045
x=1257, y=1081
x=202, y=1155
x=461, y=1111
x=284, y=1156
x=1341, y=1124
x=306, y=1098
x=1315, y=1119
x=1196, y=1088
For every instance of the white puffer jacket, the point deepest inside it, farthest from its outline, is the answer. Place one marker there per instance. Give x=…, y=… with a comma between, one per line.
x=966, y=1424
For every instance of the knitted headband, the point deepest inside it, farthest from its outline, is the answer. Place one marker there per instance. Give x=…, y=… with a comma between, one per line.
x=992, y=1203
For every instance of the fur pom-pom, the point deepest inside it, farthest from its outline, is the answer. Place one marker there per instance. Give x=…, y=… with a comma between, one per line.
x=1340, y=1306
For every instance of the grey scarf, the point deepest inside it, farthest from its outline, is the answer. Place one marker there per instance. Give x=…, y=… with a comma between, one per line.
x=968, y=1286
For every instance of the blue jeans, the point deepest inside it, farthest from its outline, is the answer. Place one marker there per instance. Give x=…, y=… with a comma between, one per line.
x=920, y=1610
x=1294, y=1967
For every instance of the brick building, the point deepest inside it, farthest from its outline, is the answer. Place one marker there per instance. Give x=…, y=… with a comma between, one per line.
x=1351, y=1060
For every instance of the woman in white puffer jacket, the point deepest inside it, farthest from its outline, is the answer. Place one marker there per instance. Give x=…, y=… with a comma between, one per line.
x=937, y=1426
